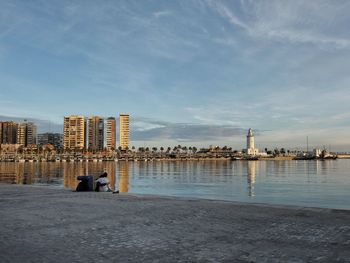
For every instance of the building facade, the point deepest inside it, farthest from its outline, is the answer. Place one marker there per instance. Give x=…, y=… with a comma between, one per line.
x=26, y=134
x=95, y=133
x=251, y=150
x=74, y=133
x=124, y=131
x=55, y=139
x=8, y=132
x=111, y=133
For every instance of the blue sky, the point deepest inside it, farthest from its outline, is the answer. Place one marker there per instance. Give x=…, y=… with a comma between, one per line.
x=191, y=72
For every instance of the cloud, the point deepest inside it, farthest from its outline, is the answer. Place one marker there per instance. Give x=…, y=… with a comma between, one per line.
x=159, y=14
x=216, y=65
x=295, y=22
x=225, y=12
x=188, y=132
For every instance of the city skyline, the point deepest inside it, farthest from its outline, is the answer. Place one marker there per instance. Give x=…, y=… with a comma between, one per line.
x=107, y=128
x=189, y=72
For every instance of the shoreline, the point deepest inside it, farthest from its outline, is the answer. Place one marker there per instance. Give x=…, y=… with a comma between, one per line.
x=185, y=198
x=46, y=224
x=278, y=158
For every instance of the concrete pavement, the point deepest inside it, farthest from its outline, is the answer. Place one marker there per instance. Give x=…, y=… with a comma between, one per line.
x=43, y=224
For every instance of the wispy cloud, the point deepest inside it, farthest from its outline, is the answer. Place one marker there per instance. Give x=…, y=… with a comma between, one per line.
x=225, y=65
x=227, y=13
x=145, y=129
x=162, y=13
x=296, y=22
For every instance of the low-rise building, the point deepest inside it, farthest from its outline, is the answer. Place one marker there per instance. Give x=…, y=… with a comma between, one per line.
x=55, y=139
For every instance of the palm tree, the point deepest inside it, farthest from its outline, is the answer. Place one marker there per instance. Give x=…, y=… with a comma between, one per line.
x=179, y=147
x=283, y=151
x=194, y=149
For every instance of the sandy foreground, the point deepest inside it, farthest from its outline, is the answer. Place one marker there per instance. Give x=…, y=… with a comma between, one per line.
x=43, y=224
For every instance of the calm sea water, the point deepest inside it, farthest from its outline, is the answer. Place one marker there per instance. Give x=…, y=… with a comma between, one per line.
x=305, y=183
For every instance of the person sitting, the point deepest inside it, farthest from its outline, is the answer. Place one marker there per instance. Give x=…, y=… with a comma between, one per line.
x=102, y=184
x=85, y=184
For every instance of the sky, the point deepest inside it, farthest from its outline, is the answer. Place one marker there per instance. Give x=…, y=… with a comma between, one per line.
x=190, y=72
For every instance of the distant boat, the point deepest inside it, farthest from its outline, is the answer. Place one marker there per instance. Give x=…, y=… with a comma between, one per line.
x=252, y=158
x=306, y=157
x=331, y=157
x=327, y=156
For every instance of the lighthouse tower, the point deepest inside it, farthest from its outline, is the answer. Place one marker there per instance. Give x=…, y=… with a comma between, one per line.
x=251, y=144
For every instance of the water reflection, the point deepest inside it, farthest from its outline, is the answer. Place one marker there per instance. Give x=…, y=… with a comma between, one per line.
x=251, y=168
x=111, y=171
x=123, y=177
x=317, y=183
x=72, y=170
x=70, y=173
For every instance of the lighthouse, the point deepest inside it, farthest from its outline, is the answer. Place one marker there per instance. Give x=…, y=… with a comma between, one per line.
x=251, y=144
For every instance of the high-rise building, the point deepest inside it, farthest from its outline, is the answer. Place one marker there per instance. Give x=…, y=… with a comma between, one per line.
x=8, y=132
x=110, y=134
x=124, y=131
x=95, y=133
x=21, y=134
x=26, y=134
x=74, y=132
x=55, y=139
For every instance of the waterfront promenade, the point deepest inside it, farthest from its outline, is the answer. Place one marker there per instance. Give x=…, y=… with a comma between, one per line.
x=43, y=224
